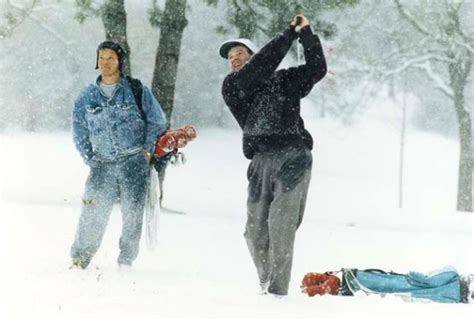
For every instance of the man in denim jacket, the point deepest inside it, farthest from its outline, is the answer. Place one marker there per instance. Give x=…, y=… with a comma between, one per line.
x=115, y=139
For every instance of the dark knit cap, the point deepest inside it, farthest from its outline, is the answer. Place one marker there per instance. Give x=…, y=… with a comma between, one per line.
x=113, y=46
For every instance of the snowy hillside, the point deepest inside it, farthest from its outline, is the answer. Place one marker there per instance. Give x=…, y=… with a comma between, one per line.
x=201, y=268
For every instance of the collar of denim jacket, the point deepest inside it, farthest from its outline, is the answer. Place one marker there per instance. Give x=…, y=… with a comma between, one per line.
x=120, y=83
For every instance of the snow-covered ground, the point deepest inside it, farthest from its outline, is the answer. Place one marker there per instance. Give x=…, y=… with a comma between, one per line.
x=201, y=268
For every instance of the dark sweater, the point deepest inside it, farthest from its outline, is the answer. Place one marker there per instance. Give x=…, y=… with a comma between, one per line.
x=265, y=102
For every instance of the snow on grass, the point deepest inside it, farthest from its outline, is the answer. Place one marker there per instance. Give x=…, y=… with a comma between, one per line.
x=201, y=268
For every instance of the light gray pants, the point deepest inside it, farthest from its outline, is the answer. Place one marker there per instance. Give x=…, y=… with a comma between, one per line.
x=127, y=179
x=278, y=186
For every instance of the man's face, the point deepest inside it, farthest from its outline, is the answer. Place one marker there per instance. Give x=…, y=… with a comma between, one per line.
x=238, y=57
x=108, y=62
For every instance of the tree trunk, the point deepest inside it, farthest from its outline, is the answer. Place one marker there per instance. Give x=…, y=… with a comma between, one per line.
x=464, y=198
x=114, y=18
x=167, y=56
x=166, y=62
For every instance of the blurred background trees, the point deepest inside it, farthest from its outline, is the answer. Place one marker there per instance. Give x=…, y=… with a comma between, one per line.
x=374, y=49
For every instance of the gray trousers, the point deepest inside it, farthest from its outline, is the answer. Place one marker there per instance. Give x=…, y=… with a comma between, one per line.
x=125, y=179
x=278, y=186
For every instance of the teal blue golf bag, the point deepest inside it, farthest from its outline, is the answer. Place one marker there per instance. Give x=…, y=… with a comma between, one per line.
x=443, y=285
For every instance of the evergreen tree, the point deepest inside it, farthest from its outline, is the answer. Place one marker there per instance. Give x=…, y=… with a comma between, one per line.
x=267, y=17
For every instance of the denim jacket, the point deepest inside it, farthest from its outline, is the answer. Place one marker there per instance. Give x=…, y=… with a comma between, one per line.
x=105, y=129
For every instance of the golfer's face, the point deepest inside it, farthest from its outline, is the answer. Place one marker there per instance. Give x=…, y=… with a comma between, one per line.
x=238, y=56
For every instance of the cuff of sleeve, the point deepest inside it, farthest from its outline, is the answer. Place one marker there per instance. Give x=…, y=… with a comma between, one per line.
x=150, y=148
x=305, y=32
x=306, y=35
x=290, y=31
x=92, y=162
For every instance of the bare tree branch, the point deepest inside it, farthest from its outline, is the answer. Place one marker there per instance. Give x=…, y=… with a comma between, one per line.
x=405, y=55
x=28, y=14
x=25, y=12
x=404, y=13
x=465, y=45
x=437, y=80
x=454, y=15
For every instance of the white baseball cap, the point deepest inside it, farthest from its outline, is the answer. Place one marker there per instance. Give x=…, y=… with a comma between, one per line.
x=229, y=44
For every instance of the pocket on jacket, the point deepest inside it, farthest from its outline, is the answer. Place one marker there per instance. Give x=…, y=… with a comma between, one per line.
x=128, y=108
x=94, y=110
x=128, y=112
x=94, y=117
